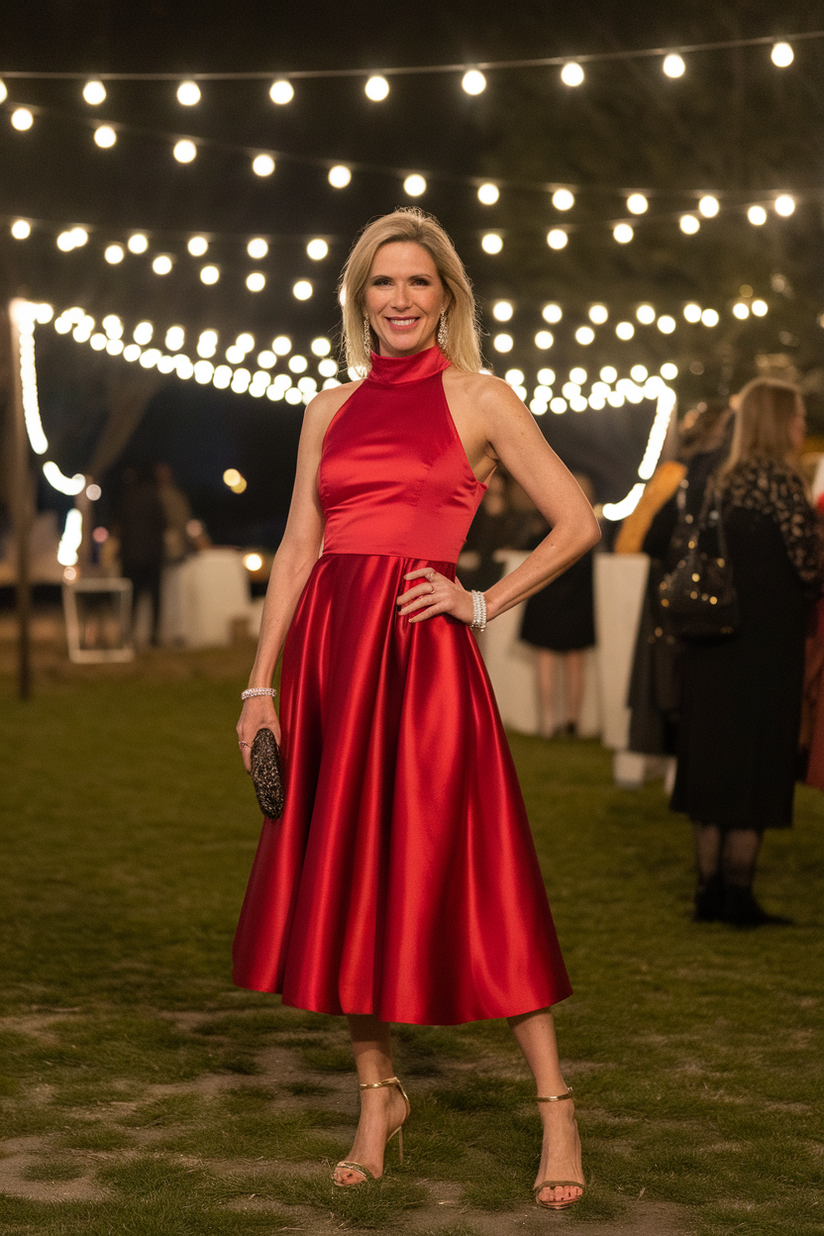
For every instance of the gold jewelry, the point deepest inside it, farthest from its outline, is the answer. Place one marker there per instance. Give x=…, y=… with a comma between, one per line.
x=367, y=336
x=443, y=333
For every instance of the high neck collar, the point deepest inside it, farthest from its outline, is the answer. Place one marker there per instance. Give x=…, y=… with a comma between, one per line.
x=394, y=370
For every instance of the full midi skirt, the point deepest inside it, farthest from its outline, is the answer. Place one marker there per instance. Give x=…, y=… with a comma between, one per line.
x=402, y=879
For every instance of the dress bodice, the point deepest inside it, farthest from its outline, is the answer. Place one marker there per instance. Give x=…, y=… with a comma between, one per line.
x=394, y=477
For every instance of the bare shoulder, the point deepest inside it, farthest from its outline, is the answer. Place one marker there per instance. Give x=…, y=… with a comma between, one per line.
x=321, y=409
x=481, y=391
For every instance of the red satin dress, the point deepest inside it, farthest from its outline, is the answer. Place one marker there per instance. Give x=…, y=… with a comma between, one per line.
x=402, y=878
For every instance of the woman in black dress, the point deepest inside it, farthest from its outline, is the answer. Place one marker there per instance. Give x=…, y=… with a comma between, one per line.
x=738, y=733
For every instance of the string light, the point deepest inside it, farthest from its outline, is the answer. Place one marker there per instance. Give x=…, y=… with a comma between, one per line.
x=376, y=89
x=256, y=281
x=488, y=194
x=503, y=343
x=114, y=254
x=782, y=55
x=25, y=316
x=784, y=205
x=302, y=290
x=4, y=94
x=572, y=74
x=491, y=242
x=281, y=92
x=624, y=330
x=741, y=310
x=473, y=82
x=692, y=313
x=689, y=224
x=94, y=93
x=184, y=150
x=645, y=314
x=757, y=215
x=188, y=94
x=209, y=274
x=198, y=246
x=105, y=136
x=709, y=206
x=623, y=233
x=263, y=165
x=257, y=248
x=20, y=229
x=22, y=119
x=502, y=310
x=71, y=539
x=321, y=346
x=760, y=308
x=557, y=238
x=137, y=243
x=414, y=185
x=175, y=338
x=585, y=335
x=598, y=314
x=162, y=264
x=69, y=485
x=637, y=204
x=562, y=199
x=673, y=65
x=552, y=313
x=544, y=339
x=710, y=317
x=339, y=176
x=142, y=333
x=666, y=324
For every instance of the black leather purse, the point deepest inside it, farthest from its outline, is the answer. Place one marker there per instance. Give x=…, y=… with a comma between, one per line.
x=698, y=598
x=267, y=774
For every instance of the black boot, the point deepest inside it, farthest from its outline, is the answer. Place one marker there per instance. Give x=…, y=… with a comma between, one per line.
x=709, y=900
x=740, y=909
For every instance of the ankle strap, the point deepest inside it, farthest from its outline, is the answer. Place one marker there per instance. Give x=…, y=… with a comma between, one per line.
x=388, y=1081
x=550, y=1098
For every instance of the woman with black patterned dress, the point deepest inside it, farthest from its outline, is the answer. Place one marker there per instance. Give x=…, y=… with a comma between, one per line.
x=739, y=727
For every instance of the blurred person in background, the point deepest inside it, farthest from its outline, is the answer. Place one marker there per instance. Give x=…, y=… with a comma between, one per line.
x=177, y=513
x=140, y=528
x=559, y=623
x=741, y=700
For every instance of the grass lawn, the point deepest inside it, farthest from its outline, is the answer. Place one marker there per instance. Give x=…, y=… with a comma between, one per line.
x=142, y=1093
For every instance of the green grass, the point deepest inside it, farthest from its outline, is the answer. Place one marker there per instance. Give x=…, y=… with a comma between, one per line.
x=133, y=1070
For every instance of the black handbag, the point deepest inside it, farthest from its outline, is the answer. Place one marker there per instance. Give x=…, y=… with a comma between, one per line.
x=698, y=597
x=267, y=774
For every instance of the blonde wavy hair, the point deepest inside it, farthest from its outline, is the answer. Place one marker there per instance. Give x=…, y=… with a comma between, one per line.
x=409, y=224
x=763, y=418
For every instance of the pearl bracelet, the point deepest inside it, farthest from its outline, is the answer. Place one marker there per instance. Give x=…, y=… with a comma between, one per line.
x=251, y=692
x=478, y=622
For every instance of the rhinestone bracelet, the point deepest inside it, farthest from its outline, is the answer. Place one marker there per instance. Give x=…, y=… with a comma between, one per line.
x=478, y=622
x=251, y=692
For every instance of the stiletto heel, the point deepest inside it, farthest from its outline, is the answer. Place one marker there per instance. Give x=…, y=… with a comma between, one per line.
x=358, y=1167
x=558, y=1184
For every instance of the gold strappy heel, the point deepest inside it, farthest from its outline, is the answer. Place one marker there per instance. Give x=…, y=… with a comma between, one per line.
x=558, y=1184
x=358, y=1167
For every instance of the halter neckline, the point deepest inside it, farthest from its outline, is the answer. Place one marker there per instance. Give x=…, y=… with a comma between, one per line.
x=393, y=370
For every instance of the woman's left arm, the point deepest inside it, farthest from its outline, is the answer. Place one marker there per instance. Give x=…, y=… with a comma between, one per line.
x=495, y=427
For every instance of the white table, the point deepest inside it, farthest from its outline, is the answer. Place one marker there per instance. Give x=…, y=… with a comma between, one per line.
x=203, y=597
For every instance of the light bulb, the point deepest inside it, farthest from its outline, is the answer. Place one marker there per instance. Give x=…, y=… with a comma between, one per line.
x=188, y=94
x=585, y=335
x=105, y=136
x=317, y=250
x=645, y=314
x=623, y=233
x=689, y=224
x=257, y=248
x=666, y=324
x=572, y=74
x=20, y=229
x=709, y=206
x=197, y=246
x=544, y=339
x=503, y=343
x=22, y=119
x=557, y=238
x=281, y=92
x=209, y=274
x=692, y=312
x=473, y=82
x=94, y=93
x=673, y=65
x=321, y=346
x=184, y=150
x=138, y=243
x=302, y=290
x=256, y=281
x=502, y=310
x=782, y=55
x=488, y=194
x=339, y=176
x=709, y=317
x=414, y=185
x=624, y=330
x=376, y=89
x=784, y=205
x=598, y=314
x=562, y=199
x=757, y=215
x=263, y=165
x=637, y=204
x=491, y=242
x=162, y=264
x=552, y=313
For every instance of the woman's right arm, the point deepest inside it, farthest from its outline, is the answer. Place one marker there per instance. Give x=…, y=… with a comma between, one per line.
x=297, y=554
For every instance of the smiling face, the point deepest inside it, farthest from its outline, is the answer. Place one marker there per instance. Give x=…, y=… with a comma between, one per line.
x=404, y=298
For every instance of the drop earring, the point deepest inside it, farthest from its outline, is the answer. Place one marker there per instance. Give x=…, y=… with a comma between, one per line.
x=367, y=337
x=443, y=333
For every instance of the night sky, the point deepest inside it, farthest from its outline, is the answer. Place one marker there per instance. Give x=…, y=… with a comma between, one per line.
x=734, y=125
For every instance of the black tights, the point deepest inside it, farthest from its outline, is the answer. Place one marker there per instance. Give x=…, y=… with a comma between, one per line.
x=731, y=853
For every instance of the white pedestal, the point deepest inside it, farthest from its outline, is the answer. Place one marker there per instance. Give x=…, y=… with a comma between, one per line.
x=203, y=597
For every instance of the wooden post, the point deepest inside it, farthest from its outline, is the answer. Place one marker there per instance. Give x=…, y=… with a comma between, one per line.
x=21, y=510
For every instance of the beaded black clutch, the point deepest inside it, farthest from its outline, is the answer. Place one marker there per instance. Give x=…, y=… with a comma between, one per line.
x=267, y=774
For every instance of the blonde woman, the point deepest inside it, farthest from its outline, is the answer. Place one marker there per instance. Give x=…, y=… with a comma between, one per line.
x=741, y=706
x=401, y=883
